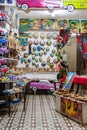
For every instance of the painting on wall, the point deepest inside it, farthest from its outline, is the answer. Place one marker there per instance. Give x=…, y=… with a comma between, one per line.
x=62, y=24
x=23, y=25
x=37, y=24
x=83, y=26
x=41, y=34
x=74, y=26
x=48, y=24
x=23, y=38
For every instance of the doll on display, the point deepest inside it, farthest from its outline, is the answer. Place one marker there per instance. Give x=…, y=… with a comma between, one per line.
x=16, y=46
x=10, y=44
x=61, y=76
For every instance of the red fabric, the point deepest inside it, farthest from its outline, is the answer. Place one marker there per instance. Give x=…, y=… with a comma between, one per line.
x=84, y=47
x=63, y=79
x=64, y=35
x=80, y=80
x=79, y=41
x=59, y=39
x=65, y=38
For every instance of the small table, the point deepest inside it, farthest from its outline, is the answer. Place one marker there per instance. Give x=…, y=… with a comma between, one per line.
x=80, y=80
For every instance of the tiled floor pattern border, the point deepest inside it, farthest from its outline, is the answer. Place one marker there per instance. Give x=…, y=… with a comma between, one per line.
x=40, y=114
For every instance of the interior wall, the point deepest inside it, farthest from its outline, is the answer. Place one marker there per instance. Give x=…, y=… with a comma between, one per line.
x=72, y=53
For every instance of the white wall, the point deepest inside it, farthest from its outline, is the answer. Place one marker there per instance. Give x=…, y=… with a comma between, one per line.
x=72, y=53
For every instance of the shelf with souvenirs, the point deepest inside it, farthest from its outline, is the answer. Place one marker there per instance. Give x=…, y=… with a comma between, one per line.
x=6, y=64
x=7, y=58
x=3, y=42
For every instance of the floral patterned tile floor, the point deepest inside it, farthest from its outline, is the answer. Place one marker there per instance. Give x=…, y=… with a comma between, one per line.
x=40, y=114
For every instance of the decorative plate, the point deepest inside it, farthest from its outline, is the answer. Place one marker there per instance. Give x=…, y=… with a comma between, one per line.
x=54, y=35
x=33, y=57
x=43, y=63
x=42, y=35
x=36, y=59
x=43, y=48
x=52, y=55
x=53, y=51
x=33, y=64
x=54, y=44
x=24, y=48
x=34, y=48
x=45, y=52
x=48, y=43
x=40, y=59
x=30, y=35
x=25, y=55
x=37, y=65
x=40, y=54
x=29, y=60
x=36, y=54
x=35, y=35
x=49, y=36
x=39, y=48
x=47, y=49
x=36, y=42
x=42, y=43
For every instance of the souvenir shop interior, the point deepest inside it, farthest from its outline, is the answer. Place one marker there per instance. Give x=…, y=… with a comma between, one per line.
x=43, y=65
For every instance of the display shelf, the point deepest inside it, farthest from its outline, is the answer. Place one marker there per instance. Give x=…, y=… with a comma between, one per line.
x=10, y=95
x=11, y=102
x=3, y=41
x=11, y=59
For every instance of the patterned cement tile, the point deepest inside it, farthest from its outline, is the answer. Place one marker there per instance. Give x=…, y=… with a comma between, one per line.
x=40, y=114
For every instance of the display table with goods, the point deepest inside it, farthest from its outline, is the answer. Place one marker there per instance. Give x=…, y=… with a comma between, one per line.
x=75, y=109
x=73, y=103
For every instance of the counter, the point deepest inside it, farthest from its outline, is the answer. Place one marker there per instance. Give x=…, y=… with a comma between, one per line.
x=74, y=109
